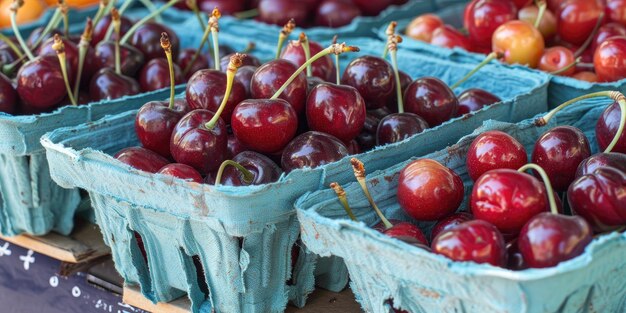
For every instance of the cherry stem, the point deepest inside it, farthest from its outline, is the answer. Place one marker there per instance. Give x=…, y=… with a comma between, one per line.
x=341, y=194
x=59, y=47
x=491, y=56
x=392, y=46
x=9, y=69
x=115, y=15
x=622, y=122
x=390, y=31
x=150, y=6
x=148, y=17
x=122, y=9
x=193, y=5
x=16, y=5
x=248, y=177
x=542, y=5
x=66, y=21
x=284, y=34
x=102, y=7
x=247, y=14
x=546, y=181
x=566, y=68
x=359, y=174
x=205, y=37
x=83, y=46
x=11, y=45
x=167, y=47
x=337, y=66
x=236, y=61
x=589, y=39
x=214, y=27
x=251, y=46
x=334, y=48
x=52, y=23
x=304, y=41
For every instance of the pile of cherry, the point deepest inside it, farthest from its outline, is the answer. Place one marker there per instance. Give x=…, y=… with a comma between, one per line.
x=517, y=220
x=306, y=13
x=252, y=123
x=113, y=58
x=584, y=39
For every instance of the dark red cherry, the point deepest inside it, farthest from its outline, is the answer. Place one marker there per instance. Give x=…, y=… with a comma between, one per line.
x=353, y=147
x=244, y=76
x=474, y=99
x=448, y=37
x=36, y=33
x=337, y=110
x=399, y=126
x=142, y=159
x=607, y=31
x=323, y=68
x=336, y=13
x=577, y=19
x=482, y=17
x=494, y=150
x=372, y=7
x=8, y=95
x=71, y=52
x=609, y=60
x=7, y=55
x=233, y=147
x=107, y=84
x=432, y=99
x=616, y=11
x=606, y=129
x=227, y=7
x=312, y=149
x=373, y=78
x=155, y=122
x=612, y=159
x=407, y=232
x=270, y=76
x=263, y=169
x=155, y=75
x=476, y=241
x=380, y=226
x=264, y=125
x=279, y=12
x=450, y=222
x=515, y=260
x=147, y=39
x=206, y=88
x=41, y=71
x=186, y=56
x=181, y=171
x=549, y=239
x=131, y=59
x=100, y=29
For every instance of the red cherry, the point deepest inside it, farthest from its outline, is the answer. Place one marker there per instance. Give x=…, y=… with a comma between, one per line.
x=476, y=241
x=616, y=10
x=609, y=59
x=107, y=84
x=280, y=11
x=200, y=63
x=556, y=58
x=155, y=75
x=131, y=59
x=408, y=233
x=142, y=159
x=41, y=71
x=607, y=31
x=374, y=79
x=206, y=88
x=8, y=95
x=399, y=126
x=448, y=37
x=270, y=76
x=263, y=169
x=147, y=39
x=234, y=147
x=586, y=76
x=474, y=99
x=322, y=68
x=482, y=17
x=607, y=126
x=612, y=159
x=548, y=23
x=521, y=3
x=227, y=7
x=337, y=110
x=181, y=171
x=312, y=149
x=577, y=19
x=423, y=26
x=431, y=99
x=100, y=29
x=494, y=150
x=449, y=222
x=336, y=13
x=372, y=7
x=155, y=122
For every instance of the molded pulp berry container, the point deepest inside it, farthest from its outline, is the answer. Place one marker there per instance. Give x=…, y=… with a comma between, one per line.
x=383, y=268
x=561, y=88
x=30, y=202
x=243, y=236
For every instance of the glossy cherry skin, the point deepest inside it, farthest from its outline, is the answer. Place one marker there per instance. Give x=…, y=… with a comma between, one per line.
x=206, y=88
x=508, y=199
x=374, y=79
x=36, y=33
x=482, y=17
x=264, y=125
x=270, y=76
x=448, y=37
x=244, y=76
x=233, y=147
x=131, y=59
x=195, y=145
x=423, y=26
x=492, y=150
x=474, y=99
x=147, y=39
x=428, y=191
x=182, y=171
x=380, y=226
x=520, y=42
x=432, y=99
x=577, y=18
x=407, y=232
x=155, y=75
x=280, y=11
x=547, y=26
x=609, y=60
x=71, y=54
x=155, y=122
x=611, y=159
x=106, y=84
x=606, y=129
x=476, y=241
x=8, y=95
x=142, y=159
x=41, y=71
x=515, y=260
x=586, y=76
x=7, y=55
x=616, y=10
x=600, y=198
x=100, y=29
x=549, y=239
x=323, y=68
x=185, y=57
x=556, y=58
x=399, y=126
x=392, y=105
x=337, y=110
x=559, y=151
x=336, y=13
x=372, y=7
x=449, y=222
x=265, y=171
x=227, y=7
x=312, y=149
x=607, y=31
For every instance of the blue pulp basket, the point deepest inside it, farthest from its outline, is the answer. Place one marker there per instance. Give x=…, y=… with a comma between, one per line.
x=383, y=268
x=251, y=276
x=561, y=88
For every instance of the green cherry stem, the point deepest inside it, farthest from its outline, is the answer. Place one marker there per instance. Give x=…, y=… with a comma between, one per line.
x=148, y=17
x=304, y=41
x=102, y=7
x=83, y=47
x=236, y=61
x=215, y=28
x=11, y=45
x=341, y=194
x=59, y=47
x=248, y=177
x=589, y=39
x=16, y=5
x=167, y=47
x=205, y=38
x=150, y=6
x=491, y=56
x=284, y=34
x=66, y=20
x=334, y=48
x=193, y=5
x=542, y=5
x=337, y=66
x=121, y=10
x=393, y=51
x=247, y=14
x=566, y=68
x=116, y=21
x=546, y=182
x=359, y=174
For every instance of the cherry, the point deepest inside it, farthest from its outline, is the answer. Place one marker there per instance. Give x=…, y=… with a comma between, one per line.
x=71, y=52
x=280, y=11
x=399, y=126
x=474, y=99
x=233, y=147
x=107, y=84
x=380, y=226
x=322, y=68
x=607, y=127
x=100, y=29
x=520, y=42
x=521, y=3
x=228, y=7
x=428, y=191
x=600, y=198
x=372, y=7
x=515, y=260
x=8, y=95
x=270, y=76
x=181, y=171
x=131, y=59
x=205, y=90
x=476, y=241
x=557, y=58
x=611, y=159
x=408, y=233
x=34, y=39
x=155, y=75
x=609, y=61
x=449, y=222
x=336, y=110
x=607, y=31
x=244, y=76
x=423, y=26
x=577, y=19
x=312, y=149
x=336, y=13
x=431, y=99
x=586, y=76
x=142, y=159
x=41, y=71
x=7, y=55
x=259, y=168
x=373, y=78
x=448, y=37
x=616, y=10
x=483, y=17
x=547, y=25
x=185, y=57
x=147, y=40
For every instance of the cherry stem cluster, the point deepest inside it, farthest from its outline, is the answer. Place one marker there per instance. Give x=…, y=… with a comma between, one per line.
x=546, y=181
x=247, y=176
x=359, y=174
x=341, y=194
x=236, y=61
